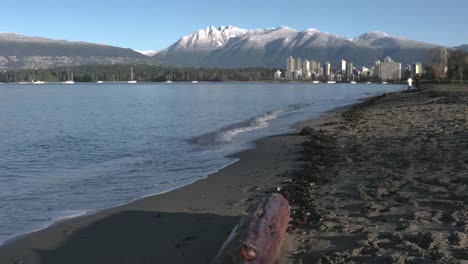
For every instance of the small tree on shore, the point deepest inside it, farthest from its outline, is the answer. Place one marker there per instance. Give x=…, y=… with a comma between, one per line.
x=437, y=71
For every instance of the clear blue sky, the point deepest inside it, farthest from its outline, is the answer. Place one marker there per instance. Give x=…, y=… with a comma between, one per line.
x=149, y=24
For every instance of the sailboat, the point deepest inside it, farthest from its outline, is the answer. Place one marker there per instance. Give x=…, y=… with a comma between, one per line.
x=70, y=80
x=38, y=82
x=195, y=81
x=131, y=76
x=353, y=82
x=169, y=81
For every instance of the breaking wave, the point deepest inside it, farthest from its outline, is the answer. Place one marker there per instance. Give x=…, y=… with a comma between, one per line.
x=226, y=134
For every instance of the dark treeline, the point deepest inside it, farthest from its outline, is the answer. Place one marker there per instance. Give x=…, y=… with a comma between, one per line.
x=142, y=73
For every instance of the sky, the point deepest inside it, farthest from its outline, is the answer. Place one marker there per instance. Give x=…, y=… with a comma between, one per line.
x=154, y=25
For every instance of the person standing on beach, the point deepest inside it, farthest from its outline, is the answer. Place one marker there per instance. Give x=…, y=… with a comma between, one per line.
x=416, y=81
x=410, y=83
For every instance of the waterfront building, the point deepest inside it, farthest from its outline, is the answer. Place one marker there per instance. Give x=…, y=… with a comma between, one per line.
x=377, y=70
x=349, y=71
x=365, y=73
x=313, y=66
x=297, y=75
x=306, y=72
x=299, y=64
x=342, y=68
x=327, y=69
x=390, y=70
x=290, y=68
x=416, y=68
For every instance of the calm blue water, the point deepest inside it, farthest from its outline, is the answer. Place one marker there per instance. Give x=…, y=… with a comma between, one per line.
x=70, y=149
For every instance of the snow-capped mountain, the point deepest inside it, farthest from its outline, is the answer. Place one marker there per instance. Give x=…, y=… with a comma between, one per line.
x=193, y=48
x=234, y=47
x=370, y=37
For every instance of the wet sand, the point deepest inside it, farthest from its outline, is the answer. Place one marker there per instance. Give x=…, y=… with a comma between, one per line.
x=385, y=181
x=186, y=225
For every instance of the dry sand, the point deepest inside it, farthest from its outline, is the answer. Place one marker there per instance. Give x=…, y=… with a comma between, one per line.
x=385, y=181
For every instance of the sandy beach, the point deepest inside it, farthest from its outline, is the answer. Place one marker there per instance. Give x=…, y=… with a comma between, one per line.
x=385, y=181
x=381, y=181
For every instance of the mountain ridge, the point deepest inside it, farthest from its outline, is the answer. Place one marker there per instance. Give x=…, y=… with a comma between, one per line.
x=270, y=48
x=19, y=51
x=225, y=46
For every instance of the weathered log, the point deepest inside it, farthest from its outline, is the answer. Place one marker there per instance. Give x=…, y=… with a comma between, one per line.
x=258, y=236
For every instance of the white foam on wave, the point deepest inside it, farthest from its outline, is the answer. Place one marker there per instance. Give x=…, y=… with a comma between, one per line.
x=253, y=124
x=226, y=134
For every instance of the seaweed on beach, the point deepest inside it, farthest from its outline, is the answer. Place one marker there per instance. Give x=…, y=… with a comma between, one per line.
x=320, y=153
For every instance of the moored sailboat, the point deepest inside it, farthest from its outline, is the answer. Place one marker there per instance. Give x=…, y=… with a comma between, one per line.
x=70, y=78
x=131, y=76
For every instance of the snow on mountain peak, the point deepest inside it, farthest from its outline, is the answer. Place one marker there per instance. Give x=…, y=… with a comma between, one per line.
x=371, y=36
x=312, y=30
x=211, y=37
x=148, y=53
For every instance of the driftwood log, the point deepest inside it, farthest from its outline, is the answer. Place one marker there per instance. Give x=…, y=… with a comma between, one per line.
x=258, y=236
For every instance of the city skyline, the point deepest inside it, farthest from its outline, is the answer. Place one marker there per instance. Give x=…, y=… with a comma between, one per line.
x=145, y=25
x=298, y=68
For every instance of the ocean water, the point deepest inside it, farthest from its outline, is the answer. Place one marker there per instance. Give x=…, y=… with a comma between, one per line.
x=68, y=150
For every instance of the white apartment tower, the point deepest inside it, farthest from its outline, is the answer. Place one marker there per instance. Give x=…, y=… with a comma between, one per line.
x=306, y=73
x=343, y=66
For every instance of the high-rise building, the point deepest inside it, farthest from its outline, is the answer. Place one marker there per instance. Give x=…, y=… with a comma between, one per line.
x=377, y=69
x=390, y=70
x=306, y=73
x=349, y=71
x=327, y=69
x=299, y=64
x=319, y=68
x=342, y=68
x=298, y=68
x=290, y=64
x=297, y=75
x=416, y=68
x=290, y=68
x=313, y=67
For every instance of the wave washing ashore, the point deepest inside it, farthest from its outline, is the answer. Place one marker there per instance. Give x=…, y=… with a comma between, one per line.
x=97, y=147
